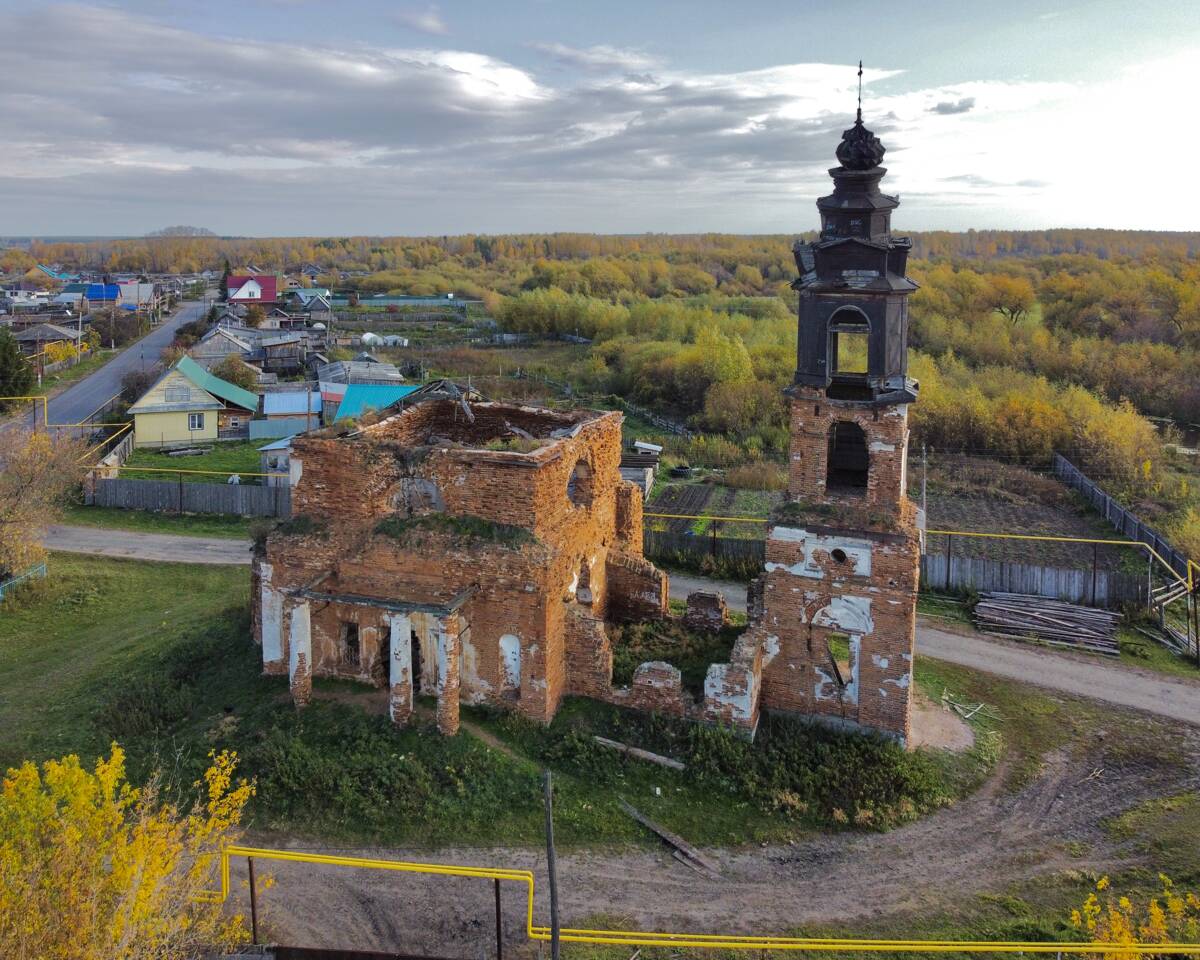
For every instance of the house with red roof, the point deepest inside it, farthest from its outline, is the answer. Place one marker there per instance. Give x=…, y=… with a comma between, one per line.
x=246, y=289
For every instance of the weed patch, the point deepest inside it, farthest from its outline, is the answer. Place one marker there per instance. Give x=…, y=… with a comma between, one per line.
x=412, y=531
x=669, y=641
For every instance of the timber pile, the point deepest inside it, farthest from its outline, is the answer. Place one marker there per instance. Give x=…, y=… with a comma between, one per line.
x=1054, y=622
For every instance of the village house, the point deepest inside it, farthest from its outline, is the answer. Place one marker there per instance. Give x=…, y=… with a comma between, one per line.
x=189, y=405
x=248, y=289
x=36, y=338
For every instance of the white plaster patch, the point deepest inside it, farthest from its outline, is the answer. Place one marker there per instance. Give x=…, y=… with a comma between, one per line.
x=881, y=662
x=825, y=686
x=715, y=683
x=272, y=618
x=299, y=639
x=770, y=649
x=900, y=681
x=878, y=446
x=858, y=552
x=851, y=614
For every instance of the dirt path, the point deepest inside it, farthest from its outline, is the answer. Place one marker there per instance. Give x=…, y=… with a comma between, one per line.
x=979, y=845
x=167, y=547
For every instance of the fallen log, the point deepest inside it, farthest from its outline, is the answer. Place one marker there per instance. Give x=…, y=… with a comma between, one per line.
x=676, y=841
x=640, y=753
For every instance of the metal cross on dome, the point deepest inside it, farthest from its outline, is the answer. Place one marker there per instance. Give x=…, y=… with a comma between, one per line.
x=860, y=90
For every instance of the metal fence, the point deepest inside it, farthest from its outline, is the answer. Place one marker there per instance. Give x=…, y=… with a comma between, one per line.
x=1126, y=522
x=283, y=427
x=173, y=496
x=33, y=573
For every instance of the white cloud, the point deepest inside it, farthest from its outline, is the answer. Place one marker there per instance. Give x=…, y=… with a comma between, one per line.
x=265, y=136
x=600, y=58
x=428, y=20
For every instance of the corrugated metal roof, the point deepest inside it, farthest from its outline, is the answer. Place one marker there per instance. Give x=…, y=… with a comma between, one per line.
x=278, y=444
x=291, y=403
x=363, y=397
x=229, y=392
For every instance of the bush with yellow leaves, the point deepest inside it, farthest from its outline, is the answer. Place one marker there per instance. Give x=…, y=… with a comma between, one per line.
x=1170, y=917
x=92, y=868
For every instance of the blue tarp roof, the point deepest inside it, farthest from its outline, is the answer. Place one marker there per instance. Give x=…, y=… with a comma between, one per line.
x=103, y=291
x=362, y=397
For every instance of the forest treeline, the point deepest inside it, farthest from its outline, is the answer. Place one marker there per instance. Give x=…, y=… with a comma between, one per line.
x=1024, y=342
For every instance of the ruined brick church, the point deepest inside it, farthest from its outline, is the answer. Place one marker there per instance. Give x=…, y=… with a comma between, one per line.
x=474, y=551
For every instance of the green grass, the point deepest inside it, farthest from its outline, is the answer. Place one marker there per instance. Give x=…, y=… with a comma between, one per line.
x=692, y=652
x=223, y=458
x=146, y=521
x=69, y=641
x=1139, y=650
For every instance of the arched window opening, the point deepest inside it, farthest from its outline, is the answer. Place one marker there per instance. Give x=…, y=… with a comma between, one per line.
x=849, y=342
x=583, y=590
x=848, y=460
x=579, y=485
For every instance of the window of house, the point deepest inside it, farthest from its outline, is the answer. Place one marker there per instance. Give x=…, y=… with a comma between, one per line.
x=350, y=648
x=195, y=421
x=177, y=394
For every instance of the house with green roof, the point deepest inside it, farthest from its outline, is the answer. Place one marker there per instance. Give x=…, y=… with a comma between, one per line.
x=189, y=405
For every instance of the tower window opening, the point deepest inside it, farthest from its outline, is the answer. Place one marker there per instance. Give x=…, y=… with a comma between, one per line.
x=848, y=461
x=849, y=335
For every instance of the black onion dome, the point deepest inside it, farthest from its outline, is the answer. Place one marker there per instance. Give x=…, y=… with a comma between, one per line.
x=860, y=149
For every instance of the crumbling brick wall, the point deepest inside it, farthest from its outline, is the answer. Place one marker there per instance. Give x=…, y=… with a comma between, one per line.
x=886, y=429
x=534, y=579
x=706, y=611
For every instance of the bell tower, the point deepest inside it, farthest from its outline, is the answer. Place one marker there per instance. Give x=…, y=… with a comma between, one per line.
x=838, y=605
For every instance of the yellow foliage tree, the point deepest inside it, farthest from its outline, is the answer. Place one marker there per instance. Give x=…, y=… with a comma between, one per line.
x=36, y=472
x=1169, y=917
x=60, y=351
x=92, y=868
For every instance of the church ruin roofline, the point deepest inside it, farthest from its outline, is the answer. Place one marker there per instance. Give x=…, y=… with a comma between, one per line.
x=477, y=430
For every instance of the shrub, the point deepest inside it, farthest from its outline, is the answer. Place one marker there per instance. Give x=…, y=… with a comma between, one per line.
x=761, y=475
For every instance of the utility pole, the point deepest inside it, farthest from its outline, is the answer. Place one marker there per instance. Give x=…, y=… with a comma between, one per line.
x=552, y=868
x=924, y=480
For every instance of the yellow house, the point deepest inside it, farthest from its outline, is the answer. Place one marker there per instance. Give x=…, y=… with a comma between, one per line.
x=178, y=410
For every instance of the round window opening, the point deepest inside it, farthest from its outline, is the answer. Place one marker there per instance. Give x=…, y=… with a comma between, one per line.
x=839, y=555
x=579, y=485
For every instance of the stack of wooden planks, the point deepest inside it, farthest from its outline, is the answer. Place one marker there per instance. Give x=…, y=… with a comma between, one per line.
x=1050, y=621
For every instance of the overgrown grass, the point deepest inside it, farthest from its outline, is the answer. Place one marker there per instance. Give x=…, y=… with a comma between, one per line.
x=221, y=459
x=414, y=530
x=145, y=521
x=670, y=641
x=84, y=368
x=1140, y=651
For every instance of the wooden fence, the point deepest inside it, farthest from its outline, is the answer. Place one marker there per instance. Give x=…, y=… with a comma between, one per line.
x=178, y=496
x=1126, y=522
x=1093, y=587
x=1088, y=585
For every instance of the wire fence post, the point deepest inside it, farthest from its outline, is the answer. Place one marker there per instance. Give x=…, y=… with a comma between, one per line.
x=552, y=867
x=499, y=933
x=253, y=902
x=949, y=541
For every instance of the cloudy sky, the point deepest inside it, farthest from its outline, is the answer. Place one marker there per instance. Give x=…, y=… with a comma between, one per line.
x=278, y=117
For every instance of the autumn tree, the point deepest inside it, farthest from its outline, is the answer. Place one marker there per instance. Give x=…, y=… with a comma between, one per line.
x=93, y=868
x=255, y=316
x=233, y=370
x=16, y=374
x=1012, y=297
x=37, y=470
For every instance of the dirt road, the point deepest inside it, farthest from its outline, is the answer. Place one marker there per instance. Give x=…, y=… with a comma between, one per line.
x=979, y=845
x=1083, y=676
x=146, y=546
